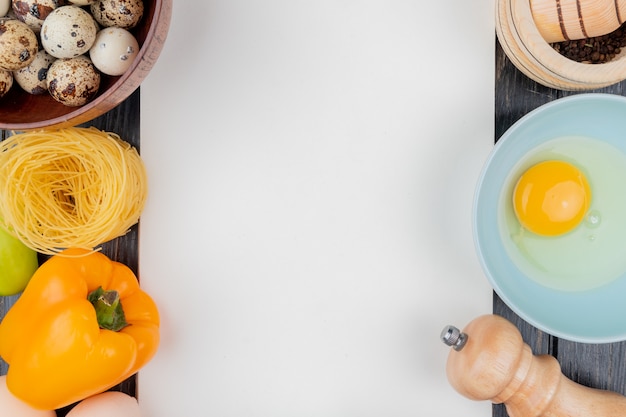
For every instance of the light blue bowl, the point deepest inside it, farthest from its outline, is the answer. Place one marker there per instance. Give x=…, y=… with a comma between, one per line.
x=592, y=316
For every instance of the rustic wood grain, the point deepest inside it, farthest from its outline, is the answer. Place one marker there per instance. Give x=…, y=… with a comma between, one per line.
x=599, y=366
x=123, y=120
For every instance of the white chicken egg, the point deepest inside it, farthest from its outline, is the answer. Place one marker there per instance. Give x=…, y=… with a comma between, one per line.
x=6, y=82
x=121, y=13
x=73, y=81
x=18, y=44
x=10, y=406
x=68, y=31
x=5, y=6
x=32, y=78
x=591, y=254
x=114, y=50
x=107, y=404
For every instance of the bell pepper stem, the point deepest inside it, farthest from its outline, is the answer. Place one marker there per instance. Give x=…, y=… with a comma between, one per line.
x=109, y=311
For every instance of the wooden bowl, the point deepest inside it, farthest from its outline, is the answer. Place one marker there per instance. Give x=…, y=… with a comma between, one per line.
x=524, y=45
x=22, y=111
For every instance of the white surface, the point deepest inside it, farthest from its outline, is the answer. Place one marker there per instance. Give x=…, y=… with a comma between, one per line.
x=308, y=232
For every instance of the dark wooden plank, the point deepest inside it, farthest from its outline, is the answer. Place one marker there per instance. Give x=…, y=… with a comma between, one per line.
x=125, y=121
x=599, y=366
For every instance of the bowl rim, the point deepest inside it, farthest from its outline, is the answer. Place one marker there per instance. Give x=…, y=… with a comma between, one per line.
x=487, y=252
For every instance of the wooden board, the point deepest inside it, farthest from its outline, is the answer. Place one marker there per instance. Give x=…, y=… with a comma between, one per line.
x=599, y=366
x=123, y=120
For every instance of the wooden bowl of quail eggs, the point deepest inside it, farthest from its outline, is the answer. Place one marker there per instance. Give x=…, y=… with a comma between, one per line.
x=66, y=62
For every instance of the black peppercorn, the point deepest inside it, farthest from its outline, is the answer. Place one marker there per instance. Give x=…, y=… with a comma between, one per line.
x=596, y=50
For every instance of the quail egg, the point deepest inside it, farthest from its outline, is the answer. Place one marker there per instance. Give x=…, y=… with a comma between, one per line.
x=18, y=44
x=34, y=12
x=81, y=2
x=121, y=13
x=73, y=81
x=114, y=50
x=68, y=31
x=6, y=81
x=32, y=78
x=5, y=6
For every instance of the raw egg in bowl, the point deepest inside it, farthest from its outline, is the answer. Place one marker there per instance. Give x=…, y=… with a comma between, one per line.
x=550, y=218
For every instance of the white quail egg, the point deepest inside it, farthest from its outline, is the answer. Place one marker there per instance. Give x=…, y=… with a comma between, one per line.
x=73, y=81
x=32, y=78
x=5, y=6
x=6, y=81
x=68, y=31
x=81, y=2
x=121, y=13
x=114, y=50
x=18, y=44
x=33, y=12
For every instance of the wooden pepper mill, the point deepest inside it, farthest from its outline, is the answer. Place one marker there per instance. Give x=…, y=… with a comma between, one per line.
x=490, y=361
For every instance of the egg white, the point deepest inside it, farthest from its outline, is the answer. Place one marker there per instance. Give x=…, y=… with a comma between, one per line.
x=594, y=253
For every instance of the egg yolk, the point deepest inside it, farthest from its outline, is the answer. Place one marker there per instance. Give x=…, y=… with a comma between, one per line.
x=551, y=198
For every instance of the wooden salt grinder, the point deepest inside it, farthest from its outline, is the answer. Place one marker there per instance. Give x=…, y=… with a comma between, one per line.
x=490, y=361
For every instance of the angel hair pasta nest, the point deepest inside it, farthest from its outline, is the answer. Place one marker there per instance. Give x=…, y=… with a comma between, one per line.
x=75, y=187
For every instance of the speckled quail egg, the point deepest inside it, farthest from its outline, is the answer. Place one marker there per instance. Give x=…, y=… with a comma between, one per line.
x=73, y=81
x=34, y=12
x=121, y=13
x=5, y=6
x=6, y=81
x=81, y=2
x=114, y=50
x=18, y=44
x=32, y=78
x=67, y=32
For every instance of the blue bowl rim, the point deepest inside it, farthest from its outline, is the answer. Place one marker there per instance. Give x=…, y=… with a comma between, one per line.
x=494, y=154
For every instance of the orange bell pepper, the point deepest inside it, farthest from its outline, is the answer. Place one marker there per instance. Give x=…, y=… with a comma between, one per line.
x=53, y=337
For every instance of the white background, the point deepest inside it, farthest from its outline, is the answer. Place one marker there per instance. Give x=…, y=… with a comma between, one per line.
x=308, y=233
